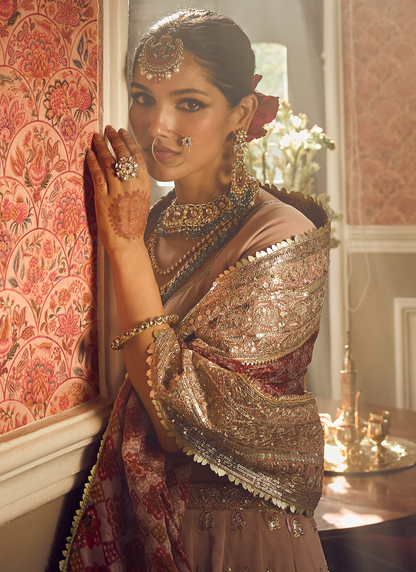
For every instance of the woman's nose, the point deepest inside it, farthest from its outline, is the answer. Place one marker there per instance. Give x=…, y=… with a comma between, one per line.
x=161, y=123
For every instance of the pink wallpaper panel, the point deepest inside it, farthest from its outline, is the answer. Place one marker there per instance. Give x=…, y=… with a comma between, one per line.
x=48, y=113
x=382, y=56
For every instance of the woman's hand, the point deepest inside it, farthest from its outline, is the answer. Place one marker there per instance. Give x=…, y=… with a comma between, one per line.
x=122, y=207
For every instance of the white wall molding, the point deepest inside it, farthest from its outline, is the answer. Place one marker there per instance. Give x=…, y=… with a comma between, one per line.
x=42, y=461
x=380, y=239
x=114, y=27
x=405, y=351
x=334, y=118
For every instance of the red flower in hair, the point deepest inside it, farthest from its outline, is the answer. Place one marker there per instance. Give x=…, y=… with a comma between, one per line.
x=265, y=113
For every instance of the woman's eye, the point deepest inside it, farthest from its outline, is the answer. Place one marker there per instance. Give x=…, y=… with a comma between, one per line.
x=142, y=98
x=191, y=105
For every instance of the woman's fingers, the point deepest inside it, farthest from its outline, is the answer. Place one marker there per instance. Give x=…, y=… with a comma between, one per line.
x=106, y=158
x=97, y=175
x=117, y=143
x=132, y=146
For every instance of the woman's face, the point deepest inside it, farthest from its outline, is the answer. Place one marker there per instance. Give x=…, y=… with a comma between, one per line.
x=187, y=103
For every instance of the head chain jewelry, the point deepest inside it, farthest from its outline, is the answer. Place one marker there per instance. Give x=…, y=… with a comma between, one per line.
x=126, y=167
x=239, y=175
x=120, y=340
x=186, y=142
x=160, y=59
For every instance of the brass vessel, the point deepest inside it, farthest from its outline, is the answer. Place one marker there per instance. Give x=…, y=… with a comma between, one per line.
x=353, y=445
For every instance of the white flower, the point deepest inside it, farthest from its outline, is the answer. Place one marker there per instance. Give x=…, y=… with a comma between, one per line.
x=285, y=141
x=316, y=129
x=300, y=138
x=297, y=121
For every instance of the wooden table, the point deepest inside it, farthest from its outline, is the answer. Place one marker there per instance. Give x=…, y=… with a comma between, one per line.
x=374, y=501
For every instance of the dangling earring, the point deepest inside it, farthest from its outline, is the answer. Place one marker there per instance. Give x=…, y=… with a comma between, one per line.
x=239, y=175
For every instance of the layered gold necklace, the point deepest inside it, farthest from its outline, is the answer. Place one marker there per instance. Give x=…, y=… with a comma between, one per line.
x=214, y=223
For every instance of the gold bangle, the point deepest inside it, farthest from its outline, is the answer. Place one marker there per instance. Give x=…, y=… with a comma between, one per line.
x=119, y=341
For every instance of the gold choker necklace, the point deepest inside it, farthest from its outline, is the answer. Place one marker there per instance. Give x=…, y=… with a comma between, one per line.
x=196, y=220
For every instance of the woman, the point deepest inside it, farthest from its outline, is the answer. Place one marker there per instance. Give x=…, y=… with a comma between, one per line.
x=219, y=293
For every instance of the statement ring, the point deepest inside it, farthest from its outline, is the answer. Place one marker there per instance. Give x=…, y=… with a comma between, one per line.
x=186, y=142
x=126, y=167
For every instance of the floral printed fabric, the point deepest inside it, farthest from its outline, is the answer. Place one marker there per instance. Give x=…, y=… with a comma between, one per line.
x=133, y=507
x=48, y=113
x=379, y=60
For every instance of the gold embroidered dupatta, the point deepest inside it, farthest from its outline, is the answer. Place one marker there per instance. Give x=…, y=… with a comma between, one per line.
x=264, y=309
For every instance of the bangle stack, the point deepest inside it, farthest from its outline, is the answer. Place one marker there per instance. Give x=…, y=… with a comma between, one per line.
x=119, y=341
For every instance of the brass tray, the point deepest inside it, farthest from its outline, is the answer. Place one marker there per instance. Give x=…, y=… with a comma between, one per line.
x=396, y=454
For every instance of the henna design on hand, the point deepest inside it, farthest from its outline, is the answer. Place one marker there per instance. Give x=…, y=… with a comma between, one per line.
x=127, y=220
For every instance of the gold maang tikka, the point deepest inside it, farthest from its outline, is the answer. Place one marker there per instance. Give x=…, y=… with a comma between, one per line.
x=160, y=59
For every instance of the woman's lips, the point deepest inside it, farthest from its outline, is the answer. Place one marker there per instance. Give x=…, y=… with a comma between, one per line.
x=163, y=154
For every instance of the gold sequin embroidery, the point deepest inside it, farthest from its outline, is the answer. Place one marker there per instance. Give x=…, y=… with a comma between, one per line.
x=206, y=520
x=271, y=520
x=297, y=527
x=237, y=521
x=312, y=521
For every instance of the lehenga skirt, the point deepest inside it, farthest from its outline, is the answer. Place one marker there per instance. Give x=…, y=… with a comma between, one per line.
x=227, y=529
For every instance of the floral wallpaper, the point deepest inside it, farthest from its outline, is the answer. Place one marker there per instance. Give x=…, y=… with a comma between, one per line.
x=48, y=113
x=382, y=56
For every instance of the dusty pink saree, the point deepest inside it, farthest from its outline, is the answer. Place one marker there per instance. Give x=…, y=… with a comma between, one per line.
x=228, y=384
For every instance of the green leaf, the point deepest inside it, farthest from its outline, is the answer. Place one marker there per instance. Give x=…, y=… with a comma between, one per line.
x=13, y=282
x=46, y=181
x=80, y=47
x=81, y=351
x=12, y=351
x=12, y=20
x=78, y=64
x=16, y=262
x=27, y=182
x=78, y=372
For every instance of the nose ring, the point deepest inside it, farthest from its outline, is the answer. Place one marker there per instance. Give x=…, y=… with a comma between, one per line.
x=186, y=142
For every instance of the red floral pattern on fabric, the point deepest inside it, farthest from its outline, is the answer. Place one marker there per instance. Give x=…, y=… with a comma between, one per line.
x=48, y=113
x=38, y=60
x=132, y=426
x=108, y=464
x=140, y=520
x=153, y=502
x=89, y=530
x=111, y=553
x=114, y=508
x=135, y=469
x=162, y=561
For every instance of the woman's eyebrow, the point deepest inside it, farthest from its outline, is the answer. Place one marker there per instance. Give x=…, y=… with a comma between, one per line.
x=187, y=90
x=140, y=86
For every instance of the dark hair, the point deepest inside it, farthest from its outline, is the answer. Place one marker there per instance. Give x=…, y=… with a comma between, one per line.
x=217, y=43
